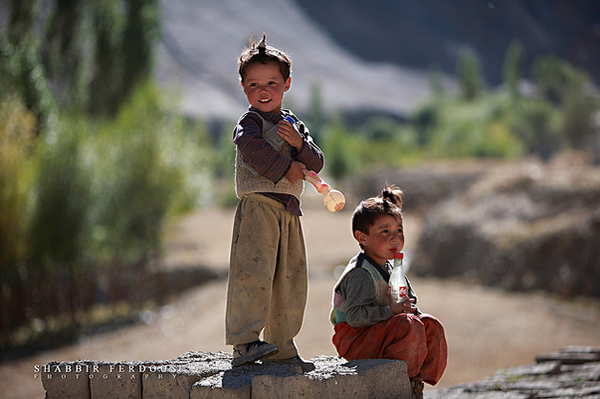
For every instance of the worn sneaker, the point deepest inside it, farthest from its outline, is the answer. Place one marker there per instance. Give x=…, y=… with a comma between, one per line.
x=252, y=352
x=416, y=384
x=294, y=361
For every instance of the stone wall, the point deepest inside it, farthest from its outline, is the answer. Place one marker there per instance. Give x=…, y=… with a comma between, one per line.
x=197, y=375
x=573, y=372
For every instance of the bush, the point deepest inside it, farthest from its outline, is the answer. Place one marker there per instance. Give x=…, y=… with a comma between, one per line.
x=93, y=208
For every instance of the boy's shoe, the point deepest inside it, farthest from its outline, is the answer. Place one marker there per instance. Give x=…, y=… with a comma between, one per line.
x=416, y=385
x=294, y=361
x=252, y=352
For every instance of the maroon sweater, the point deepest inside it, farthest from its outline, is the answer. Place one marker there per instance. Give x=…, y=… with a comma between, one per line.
x=264, y=159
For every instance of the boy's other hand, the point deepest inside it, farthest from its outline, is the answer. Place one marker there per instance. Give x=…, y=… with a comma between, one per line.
x=296, y=171
x=402, y=307
x=289, y=133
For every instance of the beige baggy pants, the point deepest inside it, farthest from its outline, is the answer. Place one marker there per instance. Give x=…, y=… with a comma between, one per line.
x=268, y=282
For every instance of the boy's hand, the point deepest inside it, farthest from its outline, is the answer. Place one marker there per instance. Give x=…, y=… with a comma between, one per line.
x=295, y=172
x=289, y=133
x=402, y=307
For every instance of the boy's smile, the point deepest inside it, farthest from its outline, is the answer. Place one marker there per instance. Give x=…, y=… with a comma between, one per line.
x=264, y=86
x=385, y=237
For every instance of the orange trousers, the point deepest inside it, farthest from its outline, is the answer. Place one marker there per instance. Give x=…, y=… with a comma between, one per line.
x=418, y=340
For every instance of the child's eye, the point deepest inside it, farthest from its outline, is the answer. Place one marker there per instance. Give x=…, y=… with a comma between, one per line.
x=272, y=83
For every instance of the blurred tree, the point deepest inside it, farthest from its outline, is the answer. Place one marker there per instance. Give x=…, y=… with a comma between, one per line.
x=21, y=68
x=335, y=146
x=469, y=75
x=90, y=55
x=554, y=78
x=316, y=120
x=569, y=90
x=513, y=64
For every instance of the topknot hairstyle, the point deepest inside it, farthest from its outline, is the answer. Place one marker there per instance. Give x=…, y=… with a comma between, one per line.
x=263, y=53
x=389, y=202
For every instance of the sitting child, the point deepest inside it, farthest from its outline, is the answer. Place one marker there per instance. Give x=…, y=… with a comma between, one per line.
x=368, y=322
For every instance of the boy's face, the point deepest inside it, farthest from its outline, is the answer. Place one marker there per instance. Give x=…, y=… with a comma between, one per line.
x=385, y=237
x=264, y=86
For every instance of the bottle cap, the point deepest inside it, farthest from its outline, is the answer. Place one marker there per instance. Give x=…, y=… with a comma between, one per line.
x=289, y=119
x=398, y=255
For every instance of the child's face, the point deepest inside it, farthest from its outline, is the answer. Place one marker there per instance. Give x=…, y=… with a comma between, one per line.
x=264, y=86
x=385, y=237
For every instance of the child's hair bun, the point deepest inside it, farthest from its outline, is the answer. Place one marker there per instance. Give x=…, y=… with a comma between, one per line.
x=393, y=195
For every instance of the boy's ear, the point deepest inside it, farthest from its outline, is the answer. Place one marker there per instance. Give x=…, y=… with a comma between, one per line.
x=360, y=237
x=288, y=84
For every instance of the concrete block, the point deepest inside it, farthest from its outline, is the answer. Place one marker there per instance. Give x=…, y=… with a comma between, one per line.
x=332, y=379
x=66, y=380
x=383, y=378
x=198, y=375
x=237, y=382
x=116, y=381
x=174, y=379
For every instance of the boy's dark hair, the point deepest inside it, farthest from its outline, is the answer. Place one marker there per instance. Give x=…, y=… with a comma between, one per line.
x=261, y=52
x=389, y=202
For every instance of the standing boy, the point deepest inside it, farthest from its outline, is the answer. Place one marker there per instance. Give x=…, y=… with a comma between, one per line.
x=368, y=322
x=268, y=283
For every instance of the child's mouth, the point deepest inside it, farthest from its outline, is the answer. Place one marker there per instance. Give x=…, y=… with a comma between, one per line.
x=264, y=100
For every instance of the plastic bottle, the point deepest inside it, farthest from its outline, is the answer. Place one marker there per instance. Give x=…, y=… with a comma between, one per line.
x=397, y=286
x=333, y=199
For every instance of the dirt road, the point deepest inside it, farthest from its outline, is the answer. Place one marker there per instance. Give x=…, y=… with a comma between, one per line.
x=486, y=329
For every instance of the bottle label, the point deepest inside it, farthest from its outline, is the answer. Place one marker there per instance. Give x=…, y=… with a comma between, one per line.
x=400, y=295
x=402, y=292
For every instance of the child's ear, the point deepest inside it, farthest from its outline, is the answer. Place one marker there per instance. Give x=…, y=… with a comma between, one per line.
x=288, y=84
x=360, y=237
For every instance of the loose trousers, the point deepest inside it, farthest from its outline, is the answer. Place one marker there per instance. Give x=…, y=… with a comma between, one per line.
x=268, y=282
x=417, y=340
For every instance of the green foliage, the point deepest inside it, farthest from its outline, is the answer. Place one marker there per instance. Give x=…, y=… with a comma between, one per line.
x=567, y=89
x=61, y=198
x=89, y=55
x=17, y=130
x=21, y=72
x=90, y=197
x=469, y=75
x=513, y=64
x=335, y=145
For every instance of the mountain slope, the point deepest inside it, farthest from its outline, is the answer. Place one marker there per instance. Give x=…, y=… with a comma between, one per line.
x=420, y=34
x=202, y=40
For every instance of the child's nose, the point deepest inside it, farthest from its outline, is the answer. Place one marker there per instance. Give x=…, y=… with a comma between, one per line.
x=397, y=237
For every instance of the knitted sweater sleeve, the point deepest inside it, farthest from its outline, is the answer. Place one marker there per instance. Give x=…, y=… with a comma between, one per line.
x=256, y=152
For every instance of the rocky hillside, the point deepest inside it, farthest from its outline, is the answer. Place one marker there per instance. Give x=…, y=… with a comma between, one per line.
x=523, y=226
x=529, y=226
x=372, y=56
x=202, y=39
x=420, y=34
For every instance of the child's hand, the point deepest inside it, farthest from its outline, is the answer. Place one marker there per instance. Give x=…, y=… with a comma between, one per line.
x=289, y=133
x=402, y=307
x=295, y=172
